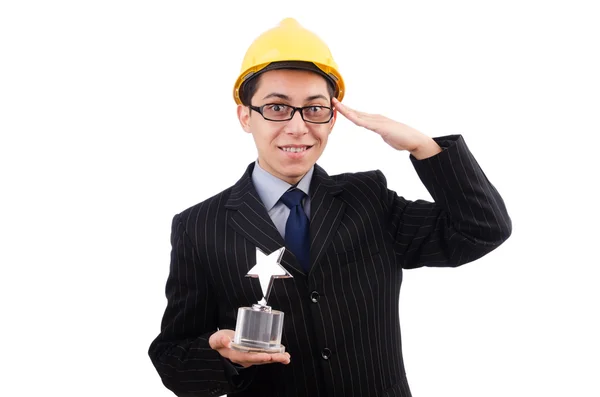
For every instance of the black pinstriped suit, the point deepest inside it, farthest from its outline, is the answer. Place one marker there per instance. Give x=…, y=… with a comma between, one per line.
x=341, y=323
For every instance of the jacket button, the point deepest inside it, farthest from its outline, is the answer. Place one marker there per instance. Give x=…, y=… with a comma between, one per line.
x=314, y=296
x=326, y=353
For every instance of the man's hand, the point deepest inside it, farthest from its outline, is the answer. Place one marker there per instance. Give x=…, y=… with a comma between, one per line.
x=397, y=135
x=221, y=342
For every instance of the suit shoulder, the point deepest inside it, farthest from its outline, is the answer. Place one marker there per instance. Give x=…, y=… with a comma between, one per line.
x=205, y=207
x=360, y=178
x=363, y=185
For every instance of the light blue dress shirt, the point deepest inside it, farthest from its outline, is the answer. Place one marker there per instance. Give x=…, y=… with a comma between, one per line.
x=270, y=189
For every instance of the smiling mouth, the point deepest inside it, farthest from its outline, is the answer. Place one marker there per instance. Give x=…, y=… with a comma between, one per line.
x=295, y=148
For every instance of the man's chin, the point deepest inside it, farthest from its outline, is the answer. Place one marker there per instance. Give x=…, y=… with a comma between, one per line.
x=294, y=173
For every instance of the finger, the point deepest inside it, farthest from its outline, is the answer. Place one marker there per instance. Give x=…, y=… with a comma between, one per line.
x=217, y=342
x=359, y=118
x=246, y=359
x=350, y=114
x=224, y=342
x=228, y=332
x=283, y=358
x=345, y=108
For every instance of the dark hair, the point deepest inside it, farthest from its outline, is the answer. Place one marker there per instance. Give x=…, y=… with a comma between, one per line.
x=249, y=87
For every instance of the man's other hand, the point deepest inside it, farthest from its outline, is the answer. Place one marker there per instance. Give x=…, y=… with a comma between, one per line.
x=221, y=342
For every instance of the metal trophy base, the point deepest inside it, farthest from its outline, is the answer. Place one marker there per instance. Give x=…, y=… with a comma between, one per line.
x=258, y=330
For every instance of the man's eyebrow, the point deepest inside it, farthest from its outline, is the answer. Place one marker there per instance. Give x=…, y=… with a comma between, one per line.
x=277, y=95
x=313, y=97
x=287, y=98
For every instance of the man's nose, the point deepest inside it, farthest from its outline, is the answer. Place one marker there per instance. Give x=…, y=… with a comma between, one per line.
x=296, y=125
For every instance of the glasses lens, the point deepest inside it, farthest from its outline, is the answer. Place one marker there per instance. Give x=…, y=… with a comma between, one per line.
x=317, y=114
x=277, y=112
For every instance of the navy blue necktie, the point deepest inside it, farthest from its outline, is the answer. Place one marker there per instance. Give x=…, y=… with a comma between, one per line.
x=296, y=228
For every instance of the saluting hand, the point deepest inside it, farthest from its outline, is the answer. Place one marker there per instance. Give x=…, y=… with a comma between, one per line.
x=221, y=342
x=396, y=134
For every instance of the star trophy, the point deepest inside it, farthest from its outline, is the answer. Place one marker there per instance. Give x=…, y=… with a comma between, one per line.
x=258, y=328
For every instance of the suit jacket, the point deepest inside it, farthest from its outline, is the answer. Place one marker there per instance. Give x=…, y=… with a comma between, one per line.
x=341, y=324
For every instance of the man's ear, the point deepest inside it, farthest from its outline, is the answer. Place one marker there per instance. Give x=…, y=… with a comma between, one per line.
x=243, y=113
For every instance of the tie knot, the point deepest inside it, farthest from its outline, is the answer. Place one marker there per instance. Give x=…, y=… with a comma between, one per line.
x=292, y=197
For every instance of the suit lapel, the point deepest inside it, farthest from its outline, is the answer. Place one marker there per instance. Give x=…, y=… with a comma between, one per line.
x=326, y=213
x=250, y=218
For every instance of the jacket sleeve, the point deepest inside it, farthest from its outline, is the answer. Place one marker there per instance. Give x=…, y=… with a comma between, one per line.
x=467, y=219
x=181, y=354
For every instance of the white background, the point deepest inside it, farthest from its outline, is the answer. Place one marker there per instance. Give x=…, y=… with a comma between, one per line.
x=115, y=115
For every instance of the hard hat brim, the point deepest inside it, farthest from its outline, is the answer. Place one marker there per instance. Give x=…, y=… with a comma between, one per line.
x=294, y=65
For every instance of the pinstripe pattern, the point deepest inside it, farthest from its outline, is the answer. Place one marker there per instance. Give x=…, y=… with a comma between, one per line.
x=362, y=237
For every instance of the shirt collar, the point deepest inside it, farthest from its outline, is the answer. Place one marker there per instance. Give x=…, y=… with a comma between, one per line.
x=270, y=188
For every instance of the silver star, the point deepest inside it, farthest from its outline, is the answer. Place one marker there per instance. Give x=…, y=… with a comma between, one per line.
x=266, y=269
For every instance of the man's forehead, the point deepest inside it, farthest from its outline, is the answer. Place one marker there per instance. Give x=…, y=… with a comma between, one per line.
x=292, y=84
x=291, y=97
x=300, y=77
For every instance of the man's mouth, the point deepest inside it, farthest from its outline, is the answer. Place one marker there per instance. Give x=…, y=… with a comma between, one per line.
x=295, y=148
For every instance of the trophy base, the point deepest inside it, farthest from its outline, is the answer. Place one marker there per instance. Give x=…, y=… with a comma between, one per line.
x=258, y=330
x=255, y=349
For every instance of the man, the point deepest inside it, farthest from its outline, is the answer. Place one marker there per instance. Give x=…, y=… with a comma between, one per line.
x=347, y=238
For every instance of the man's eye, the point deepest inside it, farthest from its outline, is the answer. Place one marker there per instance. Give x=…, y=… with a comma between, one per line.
x=277, y=108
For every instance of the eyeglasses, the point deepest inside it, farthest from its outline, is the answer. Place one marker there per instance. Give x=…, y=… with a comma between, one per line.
x=315, y=114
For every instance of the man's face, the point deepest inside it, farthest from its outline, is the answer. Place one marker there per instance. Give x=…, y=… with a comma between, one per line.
x=274, y=139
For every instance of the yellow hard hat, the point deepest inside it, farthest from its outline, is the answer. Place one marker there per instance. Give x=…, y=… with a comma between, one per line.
x=288, y=42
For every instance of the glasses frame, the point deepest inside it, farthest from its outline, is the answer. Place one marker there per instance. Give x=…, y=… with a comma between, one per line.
x=259, y=109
